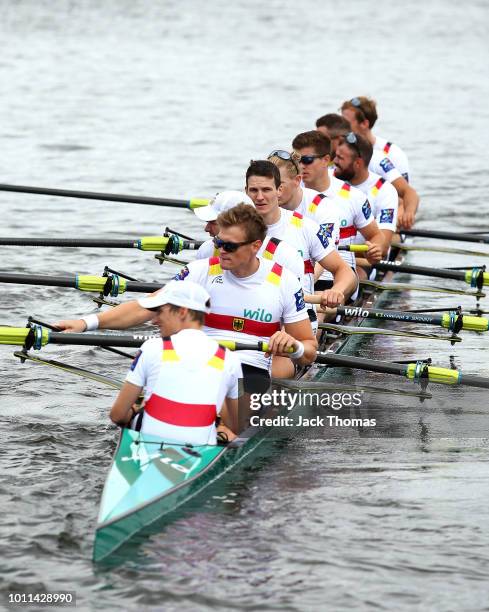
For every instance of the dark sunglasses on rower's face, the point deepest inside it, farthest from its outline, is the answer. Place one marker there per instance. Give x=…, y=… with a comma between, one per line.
x=307, y=160
x=228, y=246
x=286, y=156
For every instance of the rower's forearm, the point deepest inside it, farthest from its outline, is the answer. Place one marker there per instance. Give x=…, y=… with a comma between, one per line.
x=310, y=352
x=345, y=281
x=123, y=316
x=411, y=201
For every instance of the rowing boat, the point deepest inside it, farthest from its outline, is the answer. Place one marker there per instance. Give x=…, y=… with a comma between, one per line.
x=150, y=477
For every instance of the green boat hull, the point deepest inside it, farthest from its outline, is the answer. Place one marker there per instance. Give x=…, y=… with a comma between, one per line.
x=150, y=478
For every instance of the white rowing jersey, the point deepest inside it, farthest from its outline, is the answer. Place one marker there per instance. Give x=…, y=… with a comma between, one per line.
x=272, y=248
x=384, y=166
x=395, y=154
x=248, y=309
x=307, y=237
x=174, y=409
x=354, y=213
x=383, y=200
x=314, y=206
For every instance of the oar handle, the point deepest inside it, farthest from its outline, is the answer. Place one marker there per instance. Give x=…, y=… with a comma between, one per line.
x=353, y=248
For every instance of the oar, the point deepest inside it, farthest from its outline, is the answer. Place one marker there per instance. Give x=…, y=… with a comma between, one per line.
x=37, y=336
x=446, y=235
x=111, y=285
x=66, y=367
x=453, y=321
x=108, y=197
x=170, y=244
x=427, y=289
x=414, y=371
x=354, y=330
x=434, y=249
x=475, y=277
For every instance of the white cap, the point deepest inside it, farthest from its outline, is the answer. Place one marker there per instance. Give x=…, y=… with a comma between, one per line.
x=179, y=293
x=221, y=202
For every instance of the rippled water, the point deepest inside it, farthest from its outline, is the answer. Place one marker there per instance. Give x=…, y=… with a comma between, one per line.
x=173, y=99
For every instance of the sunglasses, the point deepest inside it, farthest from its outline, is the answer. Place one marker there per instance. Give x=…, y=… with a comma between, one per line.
x=357, y=104
x=286, y=156
x=229, y=247
x=308, y=159
x=352, y=140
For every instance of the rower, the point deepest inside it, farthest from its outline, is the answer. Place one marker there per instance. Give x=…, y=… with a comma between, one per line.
x=315, y=246
x=272, y=248
x=292, y=195
x=388, y=159
x=335, y=127
x=175, y=410
x=251, y=299
x=361, y=113
x=351, y=204
x=351, y=164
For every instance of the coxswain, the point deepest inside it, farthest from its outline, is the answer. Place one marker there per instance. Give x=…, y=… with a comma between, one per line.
x=351, y=164
x=173, y=409
x=388, y=159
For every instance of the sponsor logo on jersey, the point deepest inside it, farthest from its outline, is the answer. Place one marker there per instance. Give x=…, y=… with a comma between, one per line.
x=343, y=222
x=184, y=272
x=387, y=215
x=323, y=237
x=328, y=229
x=387, y=165
x=299, y=300
x=367, y=211
x=218, y=280
x=238, y=324
x=257, y=315
x=135, y=360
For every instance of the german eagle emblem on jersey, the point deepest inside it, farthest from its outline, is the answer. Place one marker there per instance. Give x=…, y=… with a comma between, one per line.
x=238, y=324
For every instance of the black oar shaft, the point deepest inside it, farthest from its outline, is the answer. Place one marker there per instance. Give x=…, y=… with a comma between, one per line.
x=421, y=270
x=94, y=195
x=98, y=339
x=70, y=242
x=157, y=243
x=444, y=376
x=447, y=236
x=346, y=361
